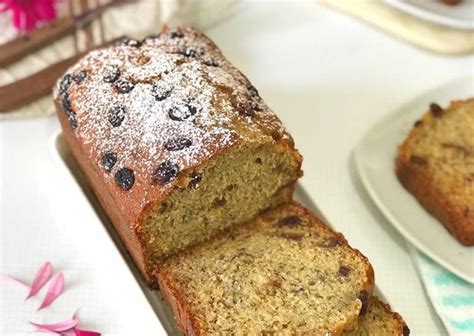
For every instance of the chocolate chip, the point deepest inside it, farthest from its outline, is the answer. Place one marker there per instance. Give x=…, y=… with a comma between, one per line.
x=130, y=42
x=111, y=74
x=176, y=33
x=195, y=180
x=67, y=108
x=117, y=115
x=177, y=144
x=418, y=160
x=66, y=104
x=125, y=178
x=290, y=221
x=329, y=243
x=124, y=86
x=218, y=202
x=364, y=298
x=161, y=90
x=406, y=330
x=211, y=62
x=246, y=109
x=418, y=123
x=165, y=172
x=79, y=77
x=256, y=106
x=72, y=120
x=344, y=271
x=190, y=52
x=181, y=112
x=108, y=161
x=436, y=110
x=65, y=83
x=253, y=91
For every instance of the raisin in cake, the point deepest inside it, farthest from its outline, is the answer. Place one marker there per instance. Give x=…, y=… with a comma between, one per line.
x=436, y=164
x=175, y=141
x=380, y=320
x=284, y=272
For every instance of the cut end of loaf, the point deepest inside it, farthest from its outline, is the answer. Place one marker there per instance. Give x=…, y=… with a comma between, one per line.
x=235, y=187
x=284, y=272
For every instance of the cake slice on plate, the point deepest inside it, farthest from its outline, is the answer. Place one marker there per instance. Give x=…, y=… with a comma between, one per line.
x=436, y=164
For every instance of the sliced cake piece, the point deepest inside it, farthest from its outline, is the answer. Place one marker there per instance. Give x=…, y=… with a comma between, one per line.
x=284, y=272
x=436, y=164
x=380, y=320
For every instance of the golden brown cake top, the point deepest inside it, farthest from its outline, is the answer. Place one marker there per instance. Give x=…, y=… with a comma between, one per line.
x=145, y=111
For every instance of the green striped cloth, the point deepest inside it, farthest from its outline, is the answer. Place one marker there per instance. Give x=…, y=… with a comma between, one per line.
x=452, y=297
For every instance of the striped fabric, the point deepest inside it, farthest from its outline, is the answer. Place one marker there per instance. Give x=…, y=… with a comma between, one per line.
x=452, y=297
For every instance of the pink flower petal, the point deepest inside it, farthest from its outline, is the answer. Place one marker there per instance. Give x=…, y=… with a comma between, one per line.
x=80, y=332
x=27, y=14
x=47, y=331
x=55, y=289
x=45, y=10
x=42, y=276
x=16, y=20
x=13, y=281
x=56, y=327
x=31, y=19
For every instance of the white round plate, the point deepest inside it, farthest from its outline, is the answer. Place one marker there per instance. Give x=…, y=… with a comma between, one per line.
x=460, y=16
x=374, y=157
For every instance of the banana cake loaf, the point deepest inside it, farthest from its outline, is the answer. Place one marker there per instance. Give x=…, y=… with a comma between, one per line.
x=283, y=273
x=175, y=142
x=436, y=164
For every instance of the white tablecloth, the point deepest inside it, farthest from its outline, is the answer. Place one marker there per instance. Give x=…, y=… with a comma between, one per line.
x=328, y=76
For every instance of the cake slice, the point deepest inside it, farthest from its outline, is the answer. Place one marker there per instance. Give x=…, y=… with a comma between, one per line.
x=282, y=273
x=436, y=164
x=175, y=142
x=380, y=320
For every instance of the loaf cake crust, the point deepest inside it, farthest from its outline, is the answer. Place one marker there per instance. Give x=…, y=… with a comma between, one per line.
x=380, y=320
x=285, y=272
x=154, y=120
x=436, y=165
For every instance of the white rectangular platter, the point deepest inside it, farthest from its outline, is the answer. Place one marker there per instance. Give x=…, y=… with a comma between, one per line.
x=66, y=162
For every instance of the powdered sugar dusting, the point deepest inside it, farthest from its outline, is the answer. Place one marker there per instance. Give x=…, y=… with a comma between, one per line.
x=199, y=97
